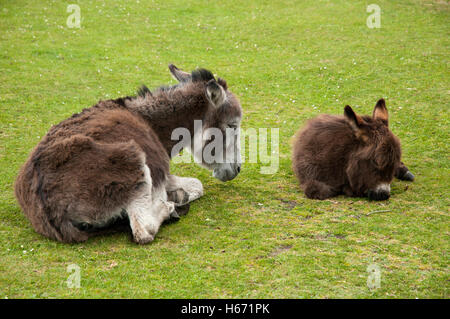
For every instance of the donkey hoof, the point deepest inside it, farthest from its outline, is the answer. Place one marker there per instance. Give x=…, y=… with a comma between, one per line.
x=183, y=210
x=408, y=176
x=174, y=216
x=179, y=197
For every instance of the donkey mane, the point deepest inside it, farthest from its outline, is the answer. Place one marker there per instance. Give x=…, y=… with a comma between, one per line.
x=145, y=96
x=168, y=107
x=199, y=75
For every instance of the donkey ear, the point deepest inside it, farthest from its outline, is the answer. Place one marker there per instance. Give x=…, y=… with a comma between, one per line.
x=178, y=74
x=215, y=93
x=380, y=112
x=352, y=118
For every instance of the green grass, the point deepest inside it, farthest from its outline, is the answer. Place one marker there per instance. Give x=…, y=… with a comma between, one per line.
x=257, y=236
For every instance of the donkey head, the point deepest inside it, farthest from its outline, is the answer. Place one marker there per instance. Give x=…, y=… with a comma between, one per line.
x=216, y=142
x=376, y=156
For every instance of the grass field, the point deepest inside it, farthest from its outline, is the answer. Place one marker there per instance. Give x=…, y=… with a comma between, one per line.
x=256, y=236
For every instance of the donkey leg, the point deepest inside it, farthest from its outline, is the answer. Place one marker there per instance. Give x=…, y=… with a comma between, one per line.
x=318, y=190
x=183, y=190
x=148, y=211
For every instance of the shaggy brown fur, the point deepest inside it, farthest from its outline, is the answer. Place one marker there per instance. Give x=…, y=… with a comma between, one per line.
x=348, y=154
x=89, y=167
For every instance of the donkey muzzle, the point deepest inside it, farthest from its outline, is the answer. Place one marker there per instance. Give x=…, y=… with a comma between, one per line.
x=227, y=172
x=381, y=192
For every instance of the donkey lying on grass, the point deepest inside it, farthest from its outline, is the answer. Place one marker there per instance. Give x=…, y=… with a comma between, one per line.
x=112, y=159
x=351, y=154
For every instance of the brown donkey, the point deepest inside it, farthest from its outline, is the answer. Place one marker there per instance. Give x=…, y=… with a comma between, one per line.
x=111, y=161
x=351, y=154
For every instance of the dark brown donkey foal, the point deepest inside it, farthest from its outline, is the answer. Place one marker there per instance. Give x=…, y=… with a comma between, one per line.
x=351, y=154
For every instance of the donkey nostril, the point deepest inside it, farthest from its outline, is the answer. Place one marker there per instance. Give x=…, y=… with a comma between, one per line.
x=239, y=169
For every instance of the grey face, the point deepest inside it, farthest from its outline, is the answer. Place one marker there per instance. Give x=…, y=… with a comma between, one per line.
x=216, y=142
x=221, y=139
x=219, y=149
x=230, y=165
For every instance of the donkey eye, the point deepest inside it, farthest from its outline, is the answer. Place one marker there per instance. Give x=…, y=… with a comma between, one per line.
x=232, y=125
